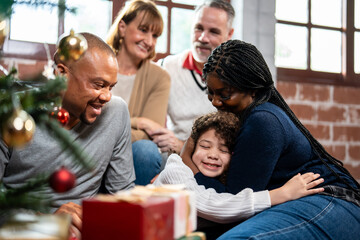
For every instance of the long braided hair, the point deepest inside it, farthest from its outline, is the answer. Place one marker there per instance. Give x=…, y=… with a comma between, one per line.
x=241, y=65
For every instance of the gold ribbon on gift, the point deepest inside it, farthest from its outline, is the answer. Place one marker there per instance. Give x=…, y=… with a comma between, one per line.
x=194, y=236
x=139, y=194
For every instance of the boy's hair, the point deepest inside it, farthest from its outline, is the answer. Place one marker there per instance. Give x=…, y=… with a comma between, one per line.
x=225, y=124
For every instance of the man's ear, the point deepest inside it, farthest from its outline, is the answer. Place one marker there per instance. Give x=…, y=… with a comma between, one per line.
x=61, y=69
x=230, y=34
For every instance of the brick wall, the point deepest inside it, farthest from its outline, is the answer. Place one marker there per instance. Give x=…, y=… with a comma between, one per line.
x=26, y=68
x=332, y=115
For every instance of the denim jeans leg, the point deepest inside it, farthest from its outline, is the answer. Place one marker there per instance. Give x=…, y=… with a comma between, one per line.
x=147, y=161
x=312, y=217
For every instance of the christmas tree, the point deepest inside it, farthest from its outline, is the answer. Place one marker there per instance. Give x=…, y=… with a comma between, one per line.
x=28, y=104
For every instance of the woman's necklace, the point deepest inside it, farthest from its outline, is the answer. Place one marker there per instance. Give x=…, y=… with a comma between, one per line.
x=126, y=69
x=128, y=72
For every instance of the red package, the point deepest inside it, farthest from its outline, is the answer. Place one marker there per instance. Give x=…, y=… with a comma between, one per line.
x=152, y=219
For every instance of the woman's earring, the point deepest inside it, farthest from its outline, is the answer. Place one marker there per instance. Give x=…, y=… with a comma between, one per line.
x=253, y=95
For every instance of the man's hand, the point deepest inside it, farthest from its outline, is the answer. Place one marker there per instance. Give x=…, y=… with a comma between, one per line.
x=75, y=211
x=166, y=140
x=186, y=155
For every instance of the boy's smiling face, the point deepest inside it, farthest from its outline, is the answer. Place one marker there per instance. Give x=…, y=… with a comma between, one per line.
x=211, y=156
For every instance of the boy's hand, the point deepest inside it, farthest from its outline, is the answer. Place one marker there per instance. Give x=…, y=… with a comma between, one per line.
x=300, y=185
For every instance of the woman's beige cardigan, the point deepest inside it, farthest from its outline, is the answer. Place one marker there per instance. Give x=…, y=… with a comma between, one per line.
x=149, y=97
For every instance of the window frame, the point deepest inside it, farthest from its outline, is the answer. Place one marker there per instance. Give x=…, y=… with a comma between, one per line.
x=347, y=77
x=36, y=51
x=170, y=5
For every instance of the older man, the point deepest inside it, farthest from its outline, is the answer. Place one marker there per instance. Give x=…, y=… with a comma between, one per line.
x=101, y=127
x=188, y=99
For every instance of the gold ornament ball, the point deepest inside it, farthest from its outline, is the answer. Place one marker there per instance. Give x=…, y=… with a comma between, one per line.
x=18, y=129
x=4, y=30
x=72, y=47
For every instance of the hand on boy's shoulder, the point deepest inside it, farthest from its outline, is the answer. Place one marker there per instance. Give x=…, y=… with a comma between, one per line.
x=186, y=155
x=166, y=140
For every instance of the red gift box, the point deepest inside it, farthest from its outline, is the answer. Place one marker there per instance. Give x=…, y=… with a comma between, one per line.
x=151, y=219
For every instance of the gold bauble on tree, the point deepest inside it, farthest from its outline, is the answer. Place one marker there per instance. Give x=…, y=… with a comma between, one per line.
x=71, y=47
x=4, y=30
x=18, y=129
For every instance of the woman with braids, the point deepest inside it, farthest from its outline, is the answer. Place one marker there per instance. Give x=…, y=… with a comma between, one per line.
x=271, y=147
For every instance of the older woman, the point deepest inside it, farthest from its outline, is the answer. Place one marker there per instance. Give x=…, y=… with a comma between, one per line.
x=141, y=83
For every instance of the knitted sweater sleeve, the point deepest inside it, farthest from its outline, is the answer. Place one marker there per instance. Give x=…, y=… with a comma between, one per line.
x=217, y=207
x=258, y=148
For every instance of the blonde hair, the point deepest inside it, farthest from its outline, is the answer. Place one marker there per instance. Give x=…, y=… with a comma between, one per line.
x=152, y=20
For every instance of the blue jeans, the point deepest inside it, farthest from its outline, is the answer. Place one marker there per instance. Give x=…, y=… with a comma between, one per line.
x=312, y=217
x=147, y=161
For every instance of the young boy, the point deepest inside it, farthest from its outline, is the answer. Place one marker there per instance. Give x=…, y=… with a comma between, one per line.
x=214, y=137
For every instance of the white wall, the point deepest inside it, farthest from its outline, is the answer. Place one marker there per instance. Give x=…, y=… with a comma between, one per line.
x=255, y=23
x=238, y=21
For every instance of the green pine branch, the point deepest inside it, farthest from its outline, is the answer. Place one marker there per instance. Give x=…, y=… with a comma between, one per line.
x=66, y=142
x=6, y=93
x=42, y=96
x=38, y=97
x=25, y=197
x=35, y=96
x=6, y=6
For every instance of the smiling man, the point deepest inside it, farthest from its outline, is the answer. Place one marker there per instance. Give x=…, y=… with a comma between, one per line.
x=99, y=126
x=90, y=80
x=188, y=100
